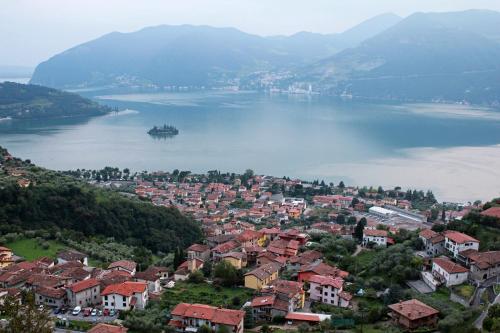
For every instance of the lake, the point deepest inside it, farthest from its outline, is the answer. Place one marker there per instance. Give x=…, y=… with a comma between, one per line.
x=452, y=150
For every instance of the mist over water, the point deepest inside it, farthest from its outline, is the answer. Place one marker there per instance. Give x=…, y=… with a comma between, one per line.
x=453, y=150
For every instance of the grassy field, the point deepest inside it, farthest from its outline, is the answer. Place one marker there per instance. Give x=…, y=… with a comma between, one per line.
x=464, y=290
x=205, y=293
x=30, y=250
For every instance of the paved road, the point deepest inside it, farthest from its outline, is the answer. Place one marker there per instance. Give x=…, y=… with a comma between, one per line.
x=479, y=321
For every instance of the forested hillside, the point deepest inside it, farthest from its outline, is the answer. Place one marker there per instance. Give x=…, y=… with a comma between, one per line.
x=55, y=202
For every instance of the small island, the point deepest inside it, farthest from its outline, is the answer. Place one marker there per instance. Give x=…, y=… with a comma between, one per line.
x=165, y=131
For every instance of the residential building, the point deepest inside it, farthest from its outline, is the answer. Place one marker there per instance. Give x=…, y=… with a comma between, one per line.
x=413, y=314
x=267, y=307
x=237, y=259
x=291, y=292
x=378, y=237
x=483, y=265
x=5, y=257
x=329, y=290
x=190, y=317
x=187, y=267
x=448, y=272
x=198, y=251
x=84, y=293
x=433, y=242
x=307, y=271
x=72, y=255
x=125, y=296
x=152, y=276
x=52, y=297
x=262, y=276
x=456, y=242
x=128, y=266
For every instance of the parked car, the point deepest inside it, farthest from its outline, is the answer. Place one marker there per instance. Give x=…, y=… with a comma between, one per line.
x=112, y=312
x=106, y=312
x=99, y=313
x=57, y=310
x=87, y=311
x=94, y=312
x=77, y=310
x=64, y=310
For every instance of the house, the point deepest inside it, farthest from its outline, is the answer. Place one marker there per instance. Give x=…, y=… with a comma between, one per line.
x=378, y=237
x=262, y=276
x=125, y=296
x=152, y=276
x=267, y=307
x=328, y=290
x=291, y=292
x=84, y=293
x=5, y=257
x=52, y=297
x=284, y=247
x=251, y=238
x=187, y=267
x=448, y=272
x=237, y=259
x=269, y=257
x=107, y=328
x=456, y=242
x=190, y=317
x=433, y=242
x=307, y=257
x=297, y=318
x=483, y=265
x=72, y=255
x=307, y=271
x=252, y=253
x=198, y=251
x=413, y=314
x=223, y=248
x=128, y=266
x=492, y=212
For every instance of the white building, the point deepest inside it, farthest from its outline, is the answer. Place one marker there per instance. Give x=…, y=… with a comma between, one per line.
x=328, y=290
x=382, y=212
x=125, y=296
x=448, y=272
x=433, y=242
x=456, y=242
x=379, y=237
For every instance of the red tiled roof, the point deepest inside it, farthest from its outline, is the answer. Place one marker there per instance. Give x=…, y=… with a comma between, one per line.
x=449, y=266
x=83, y=285
x=413, y=309
x=127, y=264
x=428, y=233
x=125, y=289
x=263, y=300
x=459, y=237
x=107, y=328
x=375, y=233
x=211, y=313
x=198, y=248
x=323, y=269
x=327, y=281
x=492, y=212
x=302, y=317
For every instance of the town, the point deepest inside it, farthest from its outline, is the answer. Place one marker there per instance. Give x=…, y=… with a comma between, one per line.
x=277, y=254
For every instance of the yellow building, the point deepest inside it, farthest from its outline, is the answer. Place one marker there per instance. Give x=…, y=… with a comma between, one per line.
x=5, y=257
x=237, y=259
x=262, y=276
x=262, y=240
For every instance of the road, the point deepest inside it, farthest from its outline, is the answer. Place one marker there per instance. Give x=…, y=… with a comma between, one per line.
x=479, y=321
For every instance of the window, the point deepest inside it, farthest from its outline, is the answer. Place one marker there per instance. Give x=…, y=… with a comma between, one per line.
x=124, y=298
x=124, y=305
x=106, y=298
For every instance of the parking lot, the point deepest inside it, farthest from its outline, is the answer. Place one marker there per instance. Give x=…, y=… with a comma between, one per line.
x=94, y=319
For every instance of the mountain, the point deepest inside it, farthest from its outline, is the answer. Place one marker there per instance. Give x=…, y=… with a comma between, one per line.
x=21, y=101
x=191, y=55
x=425, y=57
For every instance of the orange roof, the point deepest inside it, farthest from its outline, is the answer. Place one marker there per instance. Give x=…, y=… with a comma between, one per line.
x=211, y=313
x=428, y=233
x=449, y=266
x=127, y=288
x=375, y=233
x=106, y=328
x=413, y=309
x=492, y=212
x=302, y=317
x=327, y=281
x=82, y=285
x=263, y=300
x=459, y=237
x=127, y=264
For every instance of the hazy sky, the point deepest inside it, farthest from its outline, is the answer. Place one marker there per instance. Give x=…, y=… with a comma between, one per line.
x=33, y=30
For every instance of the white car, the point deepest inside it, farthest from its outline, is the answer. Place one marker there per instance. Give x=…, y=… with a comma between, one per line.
x=77, y=310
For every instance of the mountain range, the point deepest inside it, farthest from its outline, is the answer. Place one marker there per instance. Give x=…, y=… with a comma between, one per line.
x=424, y=57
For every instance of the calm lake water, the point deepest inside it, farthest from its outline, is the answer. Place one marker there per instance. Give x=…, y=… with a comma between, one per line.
x=453, y=150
